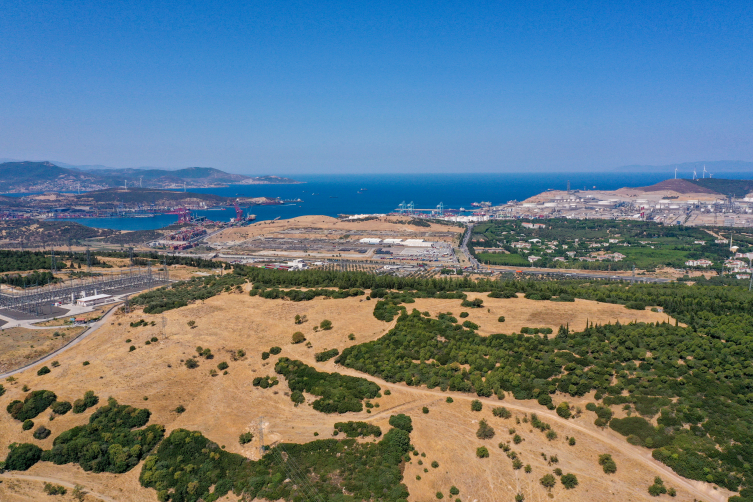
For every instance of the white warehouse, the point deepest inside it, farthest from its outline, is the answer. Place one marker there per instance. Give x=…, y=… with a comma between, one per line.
x=91, y=301
x=370, y=240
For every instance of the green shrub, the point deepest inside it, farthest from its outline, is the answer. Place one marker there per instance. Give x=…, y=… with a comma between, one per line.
x=338, y=393
x=607, y=463
x=111, y=428
x=33, y=404
x=548, y=481
x=89, y=400
x=223, y=366
x=264, y=356
x=454, y=490
x=43, y=370
x=192, y=363
x=298, y=338
x=265, y=382
x=569, y=481
x=22, y=456
x=485, y=431
x=275, y=350
x=28, y=424
x=563, y=409
x=217, y=472
x=245, y=438
x=402, y=422
x=180, y=409
x=635, y=305
x=501, y=411
x=42, y=432
x=657, y=488
x=482, y=452
x=476, y=405
x=326, y=325
x=463, y=315
x=448, y=400
x=297, y=397
x=326, y=355
x=358, y=429
x=51, y=489
x=501, y=318
x=61, y=407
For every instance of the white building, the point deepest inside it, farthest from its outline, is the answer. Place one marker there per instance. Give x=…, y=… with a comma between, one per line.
x=698, y=263
x=91, y=301
x=370, y=240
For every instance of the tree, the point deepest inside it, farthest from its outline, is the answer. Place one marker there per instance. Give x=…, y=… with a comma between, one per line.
x=325, y=324
x=22, y=456
x=298, y=337
x=43, y=370
x=485, y=431
x=657, y=488
x=402, y=421
x=607, y=463
x=245, y=438
x=454, y=490
x=563, y=409
x=476, y=405
x=191, y=363
x=570, y=481
x=191, y=324
x=298, y=319
x=482, y=452
x=501, y=318
x=548, y=481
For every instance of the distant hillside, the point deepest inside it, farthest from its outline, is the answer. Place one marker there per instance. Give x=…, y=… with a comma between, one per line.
x=736, y=188
x=27, y=176
x=685, y=168
x=47, y=177
x=148, y=196
x=679, y=186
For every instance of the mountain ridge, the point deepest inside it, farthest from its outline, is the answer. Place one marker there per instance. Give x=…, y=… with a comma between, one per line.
x=41, y=176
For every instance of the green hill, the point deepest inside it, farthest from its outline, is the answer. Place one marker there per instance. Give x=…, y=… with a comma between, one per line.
x=736, y=188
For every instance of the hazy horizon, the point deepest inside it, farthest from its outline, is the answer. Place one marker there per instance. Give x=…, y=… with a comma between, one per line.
x=347, y=87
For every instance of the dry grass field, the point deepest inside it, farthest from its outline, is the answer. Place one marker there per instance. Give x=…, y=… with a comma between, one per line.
x=18, y=346
x=222, y=407
x=336, y=227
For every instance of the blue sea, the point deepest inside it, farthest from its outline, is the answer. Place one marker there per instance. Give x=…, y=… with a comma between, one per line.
x=332, y=195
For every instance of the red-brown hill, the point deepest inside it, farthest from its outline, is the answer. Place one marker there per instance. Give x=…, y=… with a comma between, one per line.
x=679, y=186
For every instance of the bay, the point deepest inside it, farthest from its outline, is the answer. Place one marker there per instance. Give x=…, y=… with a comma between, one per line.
x=332, y=195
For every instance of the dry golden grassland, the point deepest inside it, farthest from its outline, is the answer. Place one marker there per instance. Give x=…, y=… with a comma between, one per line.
x=337, y=228
x=19, y=346
x=222, y=407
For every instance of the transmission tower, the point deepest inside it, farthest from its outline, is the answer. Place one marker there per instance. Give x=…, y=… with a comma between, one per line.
x=130, y=251
x=127, y=305
x=88, y=260
x=52, y=262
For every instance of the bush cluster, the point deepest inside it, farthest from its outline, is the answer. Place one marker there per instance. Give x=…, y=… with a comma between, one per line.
x=339, y=393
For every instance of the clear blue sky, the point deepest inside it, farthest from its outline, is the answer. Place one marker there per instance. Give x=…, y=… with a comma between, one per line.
x=321, y=87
